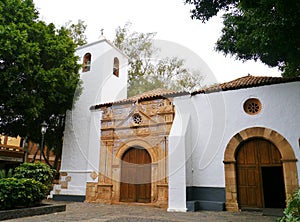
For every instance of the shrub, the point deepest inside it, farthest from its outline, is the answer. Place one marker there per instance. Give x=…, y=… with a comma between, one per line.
x=20, y=193
x=292, y=211
x=38, y=171
x=4, y=174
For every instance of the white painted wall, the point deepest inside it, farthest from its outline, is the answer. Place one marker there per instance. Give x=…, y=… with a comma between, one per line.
x=217, y=117
x=81, y=147
x=178, y=145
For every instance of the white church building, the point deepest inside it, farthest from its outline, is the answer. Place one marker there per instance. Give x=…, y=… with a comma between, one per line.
x=228, y=147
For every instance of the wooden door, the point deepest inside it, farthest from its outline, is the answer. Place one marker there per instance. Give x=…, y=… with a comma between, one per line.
x=136, y=176
x=253, y=157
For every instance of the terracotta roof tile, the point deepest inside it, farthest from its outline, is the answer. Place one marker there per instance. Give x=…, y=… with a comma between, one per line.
x=240, y=83
x=246, y=82
x=153, y=94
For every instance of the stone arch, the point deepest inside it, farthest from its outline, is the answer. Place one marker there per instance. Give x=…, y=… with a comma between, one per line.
x=285, y=149
x=155, y=154
x=135, y=143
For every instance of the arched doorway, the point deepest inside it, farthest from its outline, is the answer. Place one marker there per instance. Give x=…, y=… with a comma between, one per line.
x=288, y=161
x=135, y=183
x=260, y=180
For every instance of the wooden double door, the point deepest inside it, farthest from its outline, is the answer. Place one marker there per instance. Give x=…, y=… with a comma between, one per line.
x=135, y=183
x=260, y=177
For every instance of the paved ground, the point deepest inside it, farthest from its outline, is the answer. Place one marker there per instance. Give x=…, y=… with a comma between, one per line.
x=121, y=213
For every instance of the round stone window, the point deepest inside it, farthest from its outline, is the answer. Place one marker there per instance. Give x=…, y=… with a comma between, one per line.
x=137, y=118
x=252, y=106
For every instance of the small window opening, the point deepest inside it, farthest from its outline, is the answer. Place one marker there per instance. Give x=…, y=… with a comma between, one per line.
x=252, y=106
x=86, y=66
x=137, y=119
x=116, y=67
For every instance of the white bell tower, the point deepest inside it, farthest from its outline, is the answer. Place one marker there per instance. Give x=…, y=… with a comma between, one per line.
x=104, y=79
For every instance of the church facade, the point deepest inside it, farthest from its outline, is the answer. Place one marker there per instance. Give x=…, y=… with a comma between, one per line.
x=134, y=150
x=227, y=147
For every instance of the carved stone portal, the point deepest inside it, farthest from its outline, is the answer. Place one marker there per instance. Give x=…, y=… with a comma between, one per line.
x=142, y=126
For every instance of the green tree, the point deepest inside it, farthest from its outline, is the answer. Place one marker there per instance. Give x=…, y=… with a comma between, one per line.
x=77, y=32
x=267, y=30
x=38, y=72
x=145, y=72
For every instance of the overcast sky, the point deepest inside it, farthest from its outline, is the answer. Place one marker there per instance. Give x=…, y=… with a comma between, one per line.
x=169, y=18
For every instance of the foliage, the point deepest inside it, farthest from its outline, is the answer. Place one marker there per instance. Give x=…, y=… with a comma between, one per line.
x=29, y=185
x=4, y=174
x=292, y=211
x=20, y=192
x=145, y=72
x=77, y=32
x=38, y=72
x=267, y=30
x=38, y=171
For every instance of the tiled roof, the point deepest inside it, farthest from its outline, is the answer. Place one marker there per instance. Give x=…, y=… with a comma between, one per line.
x=240, y=83
x=246, y=82
x=153, y=94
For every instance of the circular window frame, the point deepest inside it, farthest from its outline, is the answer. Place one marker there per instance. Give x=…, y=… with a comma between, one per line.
x=252, y=106
x=137, y=119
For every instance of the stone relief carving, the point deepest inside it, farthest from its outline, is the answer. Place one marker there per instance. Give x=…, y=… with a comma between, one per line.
x=144, y=124
x=107, y=113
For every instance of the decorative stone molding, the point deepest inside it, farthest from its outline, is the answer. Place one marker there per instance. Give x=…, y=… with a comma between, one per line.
x=252, y=106
x=285, y=149
x=94, y=175
x=64, y=180
x=146, y=125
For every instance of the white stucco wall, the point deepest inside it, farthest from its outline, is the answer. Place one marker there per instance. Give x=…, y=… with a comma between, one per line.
x=219, y=116
x=224, y=116
x=177, y=156
x=81, y=147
